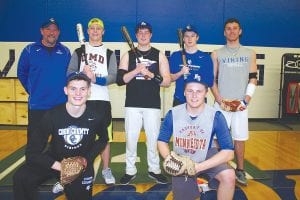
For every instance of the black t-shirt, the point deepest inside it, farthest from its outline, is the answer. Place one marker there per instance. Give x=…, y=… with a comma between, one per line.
x=140, y=92
x=70, y=136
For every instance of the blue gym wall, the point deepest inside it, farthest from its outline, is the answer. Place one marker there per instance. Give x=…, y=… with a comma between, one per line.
x=270, y=27
x=273, y=23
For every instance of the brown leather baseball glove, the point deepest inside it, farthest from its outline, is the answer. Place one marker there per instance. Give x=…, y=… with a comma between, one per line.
x=231, y=105
x=71, y=168
x=177, y=165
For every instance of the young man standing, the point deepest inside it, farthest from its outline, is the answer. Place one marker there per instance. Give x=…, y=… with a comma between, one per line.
x=101, y=68
x=193, y=126
x=143, y=73
x=73, y=128
x=196, y=60
x=235, y=73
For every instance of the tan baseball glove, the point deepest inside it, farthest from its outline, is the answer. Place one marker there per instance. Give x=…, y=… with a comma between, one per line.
x=231, y=105
x=71, y=168
x=177, y=165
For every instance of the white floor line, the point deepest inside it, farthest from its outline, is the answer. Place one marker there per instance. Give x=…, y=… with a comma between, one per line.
x=121, y=158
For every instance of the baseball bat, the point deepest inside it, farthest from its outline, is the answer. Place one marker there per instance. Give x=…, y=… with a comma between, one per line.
x=181, y=45
x=129, y=42
x=81, y=41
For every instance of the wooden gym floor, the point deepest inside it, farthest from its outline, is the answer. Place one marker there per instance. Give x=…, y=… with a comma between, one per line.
x=272, y=164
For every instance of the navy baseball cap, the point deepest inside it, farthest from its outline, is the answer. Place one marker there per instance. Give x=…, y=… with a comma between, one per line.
x=49, y=22
x=78, y=76
x=142, y=25
x=190, y=28
x=202, y=77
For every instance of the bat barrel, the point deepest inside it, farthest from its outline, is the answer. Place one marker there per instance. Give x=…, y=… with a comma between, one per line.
x=80, y=33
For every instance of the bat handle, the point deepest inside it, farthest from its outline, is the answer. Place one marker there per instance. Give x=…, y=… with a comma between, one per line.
x=139, y=61
x=185, y=76
x=83, y=54
x=184, y=63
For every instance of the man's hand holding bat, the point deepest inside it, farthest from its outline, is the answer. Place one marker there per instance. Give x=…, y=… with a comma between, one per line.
x=185, y=69
x=86, y=69
x=140, y=67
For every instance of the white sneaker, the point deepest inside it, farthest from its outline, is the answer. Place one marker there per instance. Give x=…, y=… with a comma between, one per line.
x=203, y=187
x=57, y=188
x=108, y=176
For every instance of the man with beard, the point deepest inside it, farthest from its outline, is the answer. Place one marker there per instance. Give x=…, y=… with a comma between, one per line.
x=42, y=71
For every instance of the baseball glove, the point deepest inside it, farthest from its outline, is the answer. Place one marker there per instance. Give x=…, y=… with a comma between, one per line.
x=71, y=168
x=177, y=165
x=231, y=105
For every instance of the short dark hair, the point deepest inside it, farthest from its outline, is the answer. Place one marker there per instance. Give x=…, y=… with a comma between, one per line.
x=232, y=20
x=78, y=76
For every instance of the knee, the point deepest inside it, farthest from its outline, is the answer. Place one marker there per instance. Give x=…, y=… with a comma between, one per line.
x=23, y=177
x=227, y=177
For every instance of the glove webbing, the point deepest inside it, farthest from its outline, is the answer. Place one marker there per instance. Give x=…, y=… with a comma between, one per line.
x=174, y=166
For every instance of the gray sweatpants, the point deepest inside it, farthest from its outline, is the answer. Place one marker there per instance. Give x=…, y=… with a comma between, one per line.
x=187, y=189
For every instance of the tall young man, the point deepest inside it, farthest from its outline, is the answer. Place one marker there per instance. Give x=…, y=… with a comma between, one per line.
x=196, y=60
x=143, y=75
x=101, y=68
x=235, y=73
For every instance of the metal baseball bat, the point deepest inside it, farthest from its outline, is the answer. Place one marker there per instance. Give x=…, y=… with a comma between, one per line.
x=81, y=41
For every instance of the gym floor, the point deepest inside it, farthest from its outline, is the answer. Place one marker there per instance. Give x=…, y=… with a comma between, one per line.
x=272, y=165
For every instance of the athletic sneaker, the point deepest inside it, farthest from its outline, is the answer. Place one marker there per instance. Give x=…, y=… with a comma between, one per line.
x=240, y=176
x=161, y=179
x=108, y=176
x=57, y=188
x=203, y=187
x=125, y=180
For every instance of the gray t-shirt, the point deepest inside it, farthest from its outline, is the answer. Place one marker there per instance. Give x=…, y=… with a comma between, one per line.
x=233, y=74
x=191, y=137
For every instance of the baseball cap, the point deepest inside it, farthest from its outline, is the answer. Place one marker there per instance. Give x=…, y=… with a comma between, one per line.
x=78, y=76
x=97, y=21
x=142, y=25
x=49, y=22
x=202, y=77
x=190, y=28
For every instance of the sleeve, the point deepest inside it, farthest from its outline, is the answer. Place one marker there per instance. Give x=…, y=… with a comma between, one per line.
x=35, y=151
x=73, y=64
x=102, y=133
x=174, y=63
x=112, y=69
x=209, y=70
x=222, y=132
x=166, y=129
x=23, y=68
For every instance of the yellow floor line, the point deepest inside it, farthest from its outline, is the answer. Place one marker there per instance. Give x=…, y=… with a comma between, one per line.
x=12, y=167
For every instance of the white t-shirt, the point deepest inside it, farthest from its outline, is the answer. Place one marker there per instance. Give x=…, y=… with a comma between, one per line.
x=96, y=57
